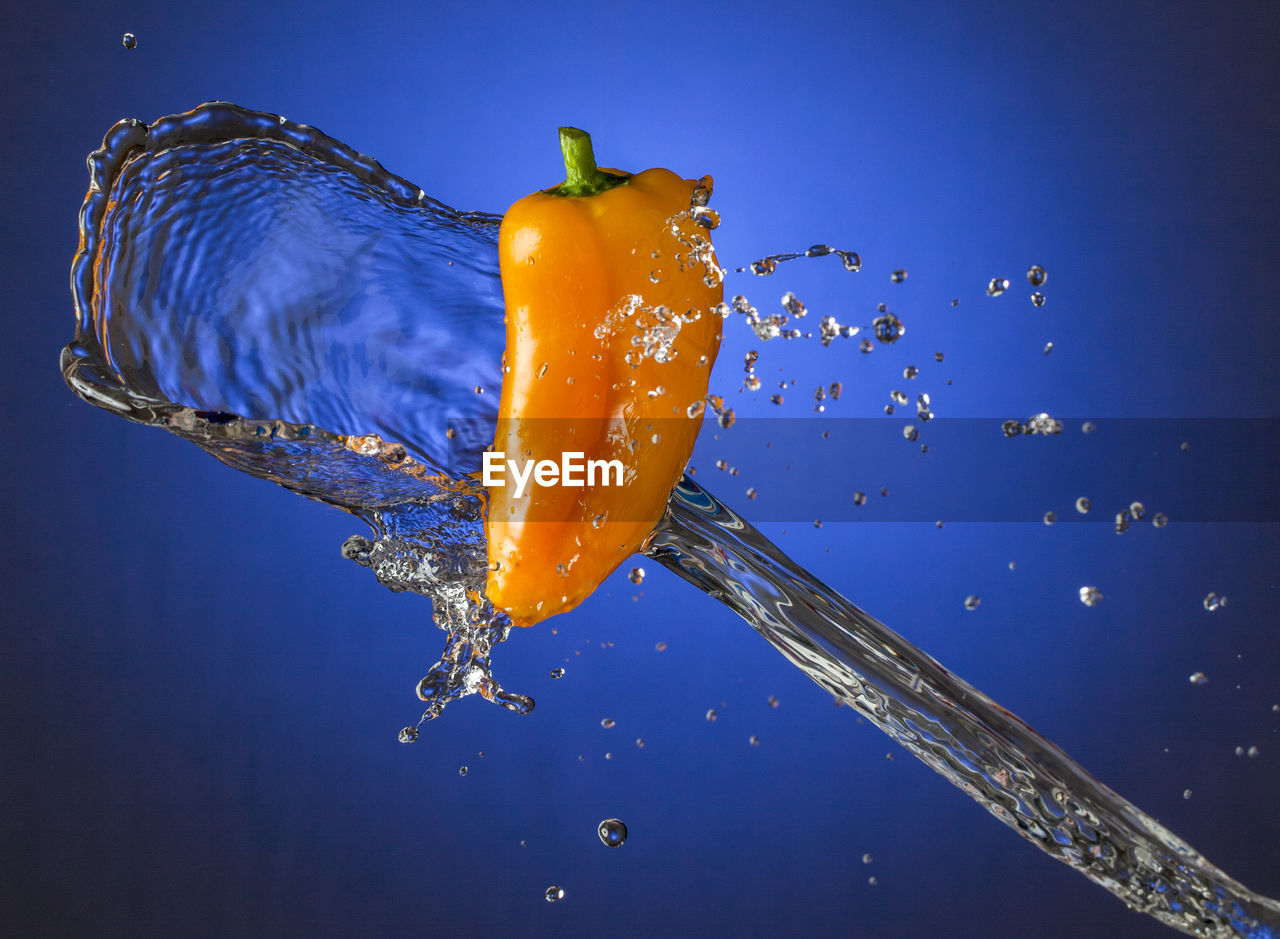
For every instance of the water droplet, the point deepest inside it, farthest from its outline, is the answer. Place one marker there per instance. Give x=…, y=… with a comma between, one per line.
x=888, y=409
x=972, y=601
x=910, y=433
x=1239, y=751
x=1013, y=565
x=1083, y=505
x=607, y=723
x=997, y=286
x=1037, y=298
x=753, y=740
x=640, y=742
x=711, y=715
x=1050, y=517
x=726, y=418
x=751, y=492
x=1137, y=511
x=835, y=390
x=1160, y=520
x=695, y=409
x=865, y=346
x=938, y=357
x=910, y=372
x=872, y=881
x=557, y=673
x=1213, y=602
x=462, y=771
x=776, y=399
x=660, y=646
x=898, y=276
x=792, y=305
x=408, y=735
x=867, y=859
x=1184, y=447
x=637, y=575
x=554, y=894
x=1036, y=276
x=773, y=700
x=752, y=383
x=1011, y=428
x=1253, y=752
x=1048, y=347
x=764, y=267
x=1199, y=678
x=1122, y=522
x=1088, y=427
x=1090, y=596
x=859, y=498
x=129, y=41
x=817, y=523
x=612, y=832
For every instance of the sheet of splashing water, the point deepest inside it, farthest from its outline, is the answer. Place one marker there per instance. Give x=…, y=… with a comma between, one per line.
x=269, y=294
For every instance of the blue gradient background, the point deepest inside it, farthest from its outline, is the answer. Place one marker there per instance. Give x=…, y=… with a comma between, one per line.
x=200, y=699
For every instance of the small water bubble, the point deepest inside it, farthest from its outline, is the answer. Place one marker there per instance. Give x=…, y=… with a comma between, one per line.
x=752, y=383
x=1011, y=428
x=1037, y=298
x=972, y=601
x=557, y=673
x=1186, y=793
x=910, y=433
x=597, y=521
x=1083, y=505
x=898, y=276
x=817, y=523
x=888, y=409
x=899, y=397
x=1137, y=511
x=867, y=859
x=607, y=723
x=711, y=715
x=725, y=418
x=997, y=286
x=753, y=740
x=1239, y=751
x=859, y=498
x=1050, y=517
x=751, y=492
x=1184, y=446
x=1088, y=427
x=764, y=267
x=640, y=742
x=1013, y=565
x=637, y=575
x=408, y=735
x=865, y=346
x=910, y=372
x=660, y=647
x=1213, y=602
x=773, y=701
x=835, y=390
x=1199, y=678
x=129, y=41
x=776, y=399
x=850, y=260
x=695, y=409
x=1048, y=347
x=1090, y=596
x=1036, y=276
x=792, y=305
x=612, y=832
x=554, y=894
x=1252, y=753
x=872, y=881
x=462, y=771
x=1122, y=522
x=1160, y=520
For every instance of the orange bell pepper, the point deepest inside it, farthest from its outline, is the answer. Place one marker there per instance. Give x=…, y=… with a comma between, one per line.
x=612, y=320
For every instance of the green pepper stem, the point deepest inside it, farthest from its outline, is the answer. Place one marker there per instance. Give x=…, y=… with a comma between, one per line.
x=581, y=175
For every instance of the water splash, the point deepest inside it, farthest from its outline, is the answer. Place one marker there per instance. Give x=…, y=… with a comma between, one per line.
x=272, y=296
x=292, y=308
